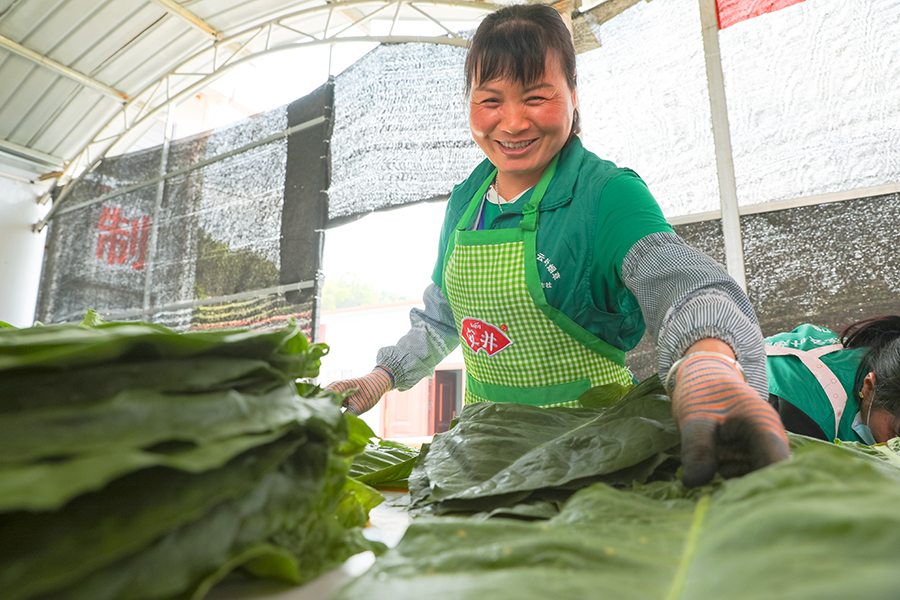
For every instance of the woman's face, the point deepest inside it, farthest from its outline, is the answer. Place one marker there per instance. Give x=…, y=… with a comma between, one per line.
x=883, y=425
x=521, y=128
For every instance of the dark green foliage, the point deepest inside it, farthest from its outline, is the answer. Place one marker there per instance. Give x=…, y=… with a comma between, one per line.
x=603, y=396
x=137, y=463
x=823, y=524
x=385, y=465
x=97, y=343
x=500, y=455
x=222, y=271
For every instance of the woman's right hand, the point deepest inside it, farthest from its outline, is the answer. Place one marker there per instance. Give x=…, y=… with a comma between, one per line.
x=725, y=424
x=369, y=390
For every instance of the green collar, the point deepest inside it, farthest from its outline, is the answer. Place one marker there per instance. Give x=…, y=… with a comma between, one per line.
x=562, y=185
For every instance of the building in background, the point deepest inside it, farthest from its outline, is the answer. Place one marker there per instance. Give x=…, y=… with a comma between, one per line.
x=354, y=336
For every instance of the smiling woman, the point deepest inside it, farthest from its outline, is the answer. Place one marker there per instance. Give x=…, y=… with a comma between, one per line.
x=524, y=107
x=552, y=263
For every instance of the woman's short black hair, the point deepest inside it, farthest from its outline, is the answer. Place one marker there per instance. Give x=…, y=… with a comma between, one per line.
x=514, y=43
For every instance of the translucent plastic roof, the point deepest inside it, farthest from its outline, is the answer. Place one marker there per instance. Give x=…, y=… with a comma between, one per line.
x=81, y=78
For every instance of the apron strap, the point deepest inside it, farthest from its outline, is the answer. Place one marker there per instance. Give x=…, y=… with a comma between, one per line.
x=474, y=203
x=833, y=388
x=530, y=210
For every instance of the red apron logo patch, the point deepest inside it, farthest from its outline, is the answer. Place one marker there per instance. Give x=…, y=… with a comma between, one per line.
x=479, y=335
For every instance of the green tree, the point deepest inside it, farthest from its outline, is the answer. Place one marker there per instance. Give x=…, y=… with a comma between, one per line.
x=349, y=291
x=222, y=271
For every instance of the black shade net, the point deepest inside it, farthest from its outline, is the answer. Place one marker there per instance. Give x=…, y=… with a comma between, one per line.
x=195, y=241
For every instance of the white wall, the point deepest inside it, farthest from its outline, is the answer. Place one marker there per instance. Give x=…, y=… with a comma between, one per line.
x=21, y=250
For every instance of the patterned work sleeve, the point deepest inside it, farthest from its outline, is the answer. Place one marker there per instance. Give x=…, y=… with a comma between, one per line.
x=431, y=337
x=686, y=296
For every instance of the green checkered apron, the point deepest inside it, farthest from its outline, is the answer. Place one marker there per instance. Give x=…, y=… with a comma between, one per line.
x=518, y=348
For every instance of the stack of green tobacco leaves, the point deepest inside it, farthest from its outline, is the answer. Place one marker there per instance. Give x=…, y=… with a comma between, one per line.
x=138, y=463
x=821, y=525
x=522, y=460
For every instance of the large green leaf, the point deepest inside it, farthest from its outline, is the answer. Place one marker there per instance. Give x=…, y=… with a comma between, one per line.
x=822, y=525
x=43, y=486
x=78, y=345
x=58, y=548
x=500, y=453
x=184, y=557
x=136, y=462
x=33, y=388
x=48, y=484
x=367, y=497
x=136, y=419
x=328, y=533
x=385, y=464
x=358, y=435
x=265, y=561
x=603, y=396
x=307, y=521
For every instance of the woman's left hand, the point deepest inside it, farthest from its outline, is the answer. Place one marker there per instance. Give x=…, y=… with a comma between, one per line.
x=725, y=425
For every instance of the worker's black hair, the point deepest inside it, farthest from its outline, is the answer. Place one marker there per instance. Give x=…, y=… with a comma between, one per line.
x=514, y=43
x=881, y=335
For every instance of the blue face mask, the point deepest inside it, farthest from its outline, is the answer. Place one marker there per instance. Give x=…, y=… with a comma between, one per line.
x=861, y=430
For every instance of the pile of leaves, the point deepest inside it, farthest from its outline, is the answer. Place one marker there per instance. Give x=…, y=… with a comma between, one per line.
x=502, y=458
x=824, y=524
x=593, y=518
x=139, y=463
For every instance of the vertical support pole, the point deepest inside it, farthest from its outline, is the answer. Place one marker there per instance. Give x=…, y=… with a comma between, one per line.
x=304, y=214
x=154, y=227
x=731, y=222
x=317, y=304
x=330, y=56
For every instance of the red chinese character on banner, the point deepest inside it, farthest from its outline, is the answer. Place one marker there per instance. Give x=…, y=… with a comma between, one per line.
x=479, y=335
x=121, y=238
x=142, y=230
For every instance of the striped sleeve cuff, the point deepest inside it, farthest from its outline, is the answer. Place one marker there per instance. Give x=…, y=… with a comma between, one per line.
x=431, y=337
x=685, y=296
x=369, y=390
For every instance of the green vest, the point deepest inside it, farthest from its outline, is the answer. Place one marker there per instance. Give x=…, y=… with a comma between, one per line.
x=518, y=348
x=591, y=215
x=810, y=387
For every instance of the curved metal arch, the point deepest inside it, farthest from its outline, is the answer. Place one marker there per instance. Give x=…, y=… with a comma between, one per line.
x=239, y=43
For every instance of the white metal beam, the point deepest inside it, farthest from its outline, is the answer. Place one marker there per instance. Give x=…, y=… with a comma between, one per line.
x=731, y=221
x=35, y=156
x=776, y=205
x=62, y=69
x=191, y=19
